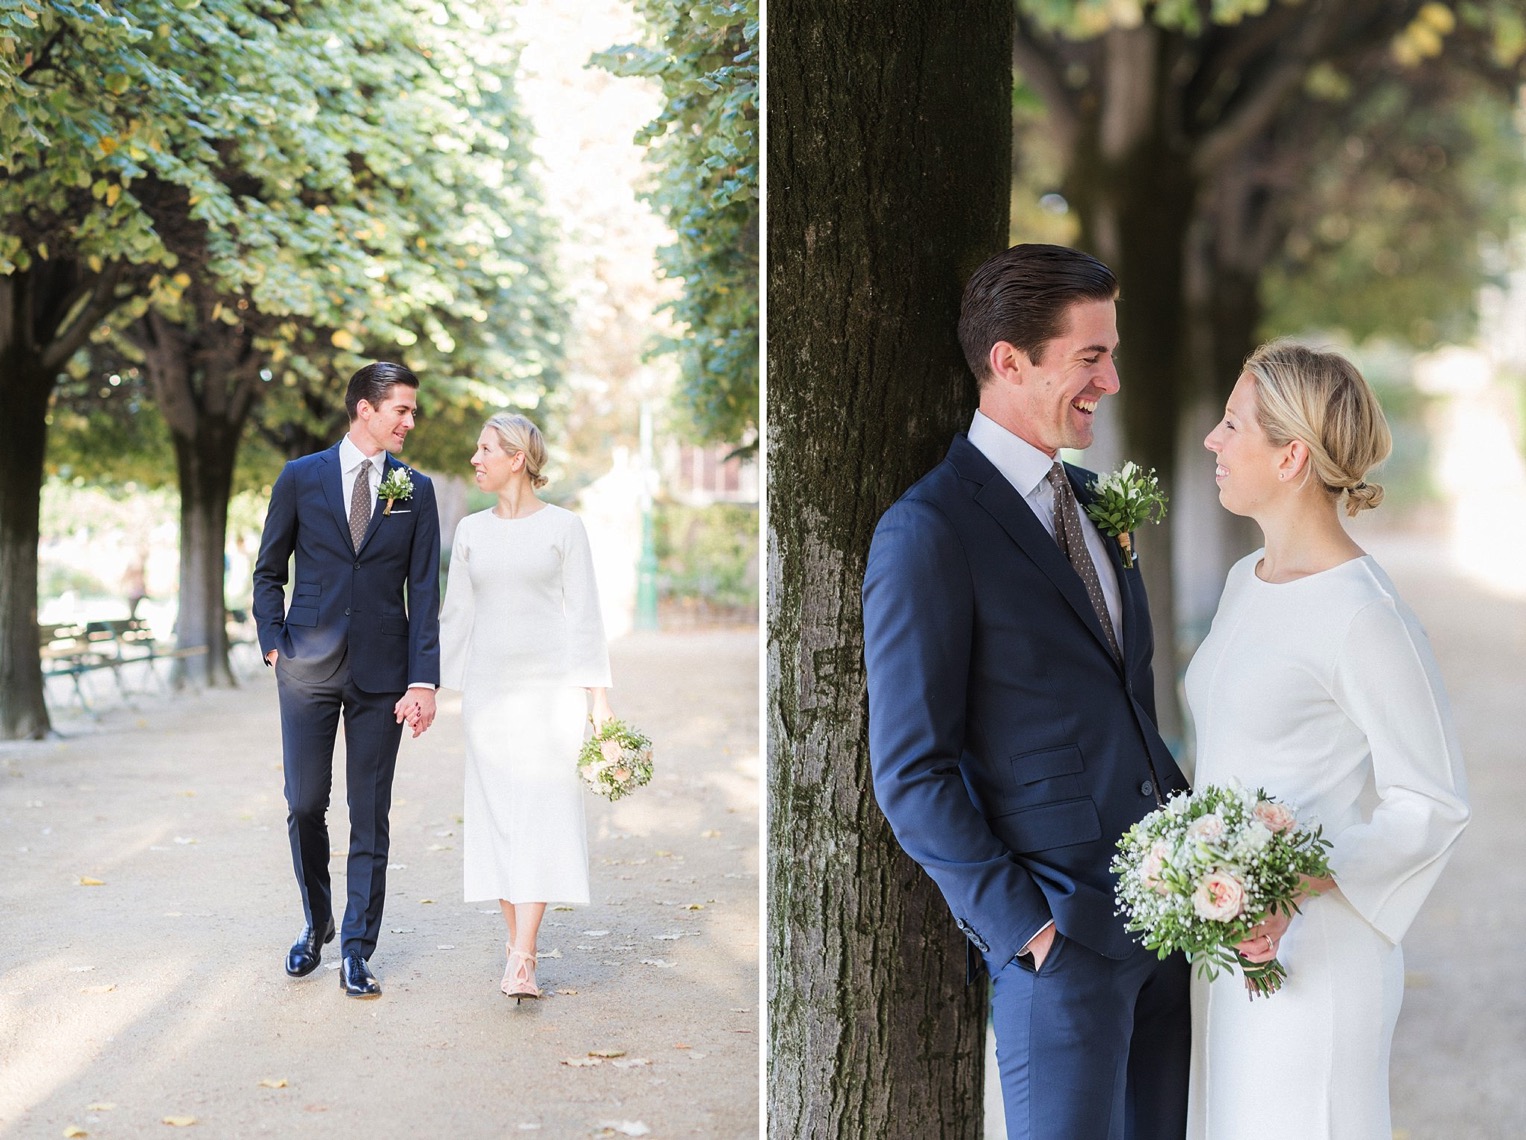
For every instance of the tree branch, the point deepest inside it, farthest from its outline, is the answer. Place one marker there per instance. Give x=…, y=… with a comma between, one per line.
x=1042, y=70
x=80, y=315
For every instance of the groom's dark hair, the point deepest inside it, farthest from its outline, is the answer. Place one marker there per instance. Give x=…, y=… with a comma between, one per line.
x=1020, y=296
x=373, y=382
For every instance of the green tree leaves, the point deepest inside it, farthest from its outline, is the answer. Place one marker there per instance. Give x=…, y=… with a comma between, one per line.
x=705, y=144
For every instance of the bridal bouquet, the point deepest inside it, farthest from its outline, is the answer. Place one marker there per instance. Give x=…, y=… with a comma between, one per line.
x=615, y=760
x=1198, y=873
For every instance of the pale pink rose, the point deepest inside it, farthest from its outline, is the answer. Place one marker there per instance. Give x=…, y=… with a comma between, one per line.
x=1151, y=866
x=1277, y=817
x=1219, y=897
x=1206, y=828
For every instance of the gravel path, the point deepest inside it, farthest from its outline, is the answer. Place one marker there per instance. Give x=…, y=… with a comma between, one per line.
x=159, y=995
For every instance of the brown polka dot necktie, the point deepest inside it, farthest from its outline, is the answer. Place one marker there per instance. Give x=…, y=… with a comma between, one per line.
x=360, y=504
x=1067, y=532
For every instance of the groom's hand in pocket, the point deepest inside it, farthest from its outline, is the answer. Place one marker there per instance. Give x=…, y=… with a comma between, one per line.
x=1039, y=946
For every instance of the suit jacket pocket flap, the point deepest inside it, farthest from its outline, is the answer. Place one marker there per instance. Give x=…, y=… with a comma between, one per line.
x=1046, y=763
x=1052, y=825
x=307, y=589
x=397, y=627
x=302, y=615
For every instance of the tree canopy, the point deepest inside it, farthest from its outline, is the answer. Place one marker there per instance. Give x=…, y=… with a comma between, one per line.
x=705, y=145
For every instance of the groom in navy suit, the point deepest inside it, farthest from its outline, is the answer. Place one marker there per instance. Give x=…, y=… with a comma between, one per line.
x=360, y=639
x=1012, y=729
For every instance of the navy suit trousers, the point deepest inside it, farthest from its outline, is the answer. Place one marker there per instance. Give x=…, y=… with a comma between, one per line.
x=1093, y=1048
x=310, y=714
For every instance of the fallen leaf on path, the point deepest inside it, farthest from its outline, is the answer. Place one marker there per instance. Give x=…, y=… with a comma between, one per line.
x=663, y=854
x=681, y=1045
x=80, y=969
x=189, y=794
x=595, y=933
x=553, y=908
x=555, y=952
x=445, y=946
x=87, y=881
x=273, y=1083
x=179, y=1121
x=97, y=989
x=438, y=847
x=631, y=1063
x=666, y=937
x=402, y=930
x=100, y=1106
x=625, y=1128
x=75, y=1130
x=568, y=992
x=581, y=1062
x=694, y=906
x=183, y=840
x=397, y=866
x=660, y=963
x=711, y=833
x=424, y=902
x=740, y=1009
x=606, y=1053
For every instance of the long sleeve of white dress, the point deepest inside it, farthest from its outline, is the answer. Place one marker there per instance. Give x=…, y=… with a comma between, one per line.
x=456, y=613
x=587, y=650
x=1386, y=680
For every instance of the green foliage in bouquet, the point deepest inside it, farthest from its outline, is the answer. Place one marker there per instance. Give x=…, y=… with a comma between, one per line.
x=616, y=760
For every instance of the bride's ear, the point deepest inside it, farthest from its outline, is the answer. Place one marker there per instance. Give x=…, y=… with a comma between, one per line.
x=1295, y=460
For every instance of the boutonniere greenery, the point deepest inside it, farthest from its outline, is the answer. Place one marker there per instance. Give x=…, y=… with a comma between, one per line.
x=1124, y=499
x=395, y=486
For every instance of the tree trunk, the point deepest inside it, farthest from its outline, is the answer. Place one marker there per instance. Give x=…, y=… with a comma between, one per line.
x=890, y=174
x=45, y=314
x=205, y=380
x=23, y=440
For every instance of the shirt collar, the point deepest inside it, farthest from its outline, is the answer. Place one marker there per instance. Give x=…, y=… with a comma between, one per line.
x=350, y=456
x=1023, y=465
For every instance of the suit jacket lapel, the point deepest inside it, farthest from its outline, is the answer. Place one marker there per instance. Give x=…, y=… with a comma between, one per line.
x=333, y=491
x=1001, y=500
x=1131, y=595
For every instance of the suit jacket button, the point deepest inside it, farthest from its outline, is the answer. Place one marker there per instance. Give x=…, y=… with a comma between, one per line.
x=357, y=565
x=1146, y=788
x=346, y=613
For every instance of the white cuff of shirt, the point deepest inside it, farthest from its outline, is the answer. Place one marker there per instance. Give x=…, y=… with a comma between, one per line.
x=1036, y=933
x=422, y=685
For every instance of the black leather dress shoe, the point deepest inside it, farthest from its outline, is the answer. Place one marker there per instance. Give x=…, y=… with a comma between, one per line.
x=307, y=951
x=356, y=978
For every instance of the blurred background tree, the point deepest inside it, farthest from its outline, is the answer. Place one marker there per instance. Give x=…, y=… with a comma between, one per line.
x=705, y=146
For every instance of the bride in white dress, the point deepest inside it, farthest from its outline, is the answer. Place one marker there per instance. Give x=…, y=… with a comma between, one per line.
x=522, y=638
x=1317, y=683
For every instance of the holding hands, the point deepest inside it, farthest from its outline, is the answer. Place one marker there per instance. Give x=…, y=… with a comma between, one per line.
x=417, y=707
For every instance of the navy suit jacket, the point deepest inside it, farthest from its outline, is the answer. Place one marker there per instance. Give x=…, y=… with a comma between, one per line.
x=1009, y=749
x=382, y=602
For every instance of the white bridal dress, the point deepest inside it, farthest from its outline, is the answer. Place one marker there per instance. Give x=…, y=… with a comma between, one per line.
x=1324, y=692
x=521, y=636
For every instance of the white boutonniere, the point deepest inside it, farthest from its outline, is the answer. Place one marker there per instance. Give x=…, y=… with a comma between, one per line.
x=395, y=486
x=1124, y=499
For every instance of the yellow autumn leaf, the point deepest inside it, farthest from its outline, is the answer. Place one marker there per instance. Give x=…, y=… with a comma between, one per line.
x=87, y=881
x=100, y=1106
x=606, y=1052
x=95, y=263
x=107, y=144
x=182, y=279
x=113, y=192
x=75, y=1130
x=179, y=1121
x=273, y=1083
x=342, y=340
x=42, y=250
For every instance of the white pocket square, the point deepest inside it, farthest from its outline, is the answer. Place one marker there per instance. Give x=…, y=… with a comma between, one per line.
x=395, y=512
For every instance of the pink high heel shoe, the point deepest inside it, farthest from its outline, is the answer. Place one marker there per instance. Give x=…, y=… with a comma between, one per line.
x=519, y=983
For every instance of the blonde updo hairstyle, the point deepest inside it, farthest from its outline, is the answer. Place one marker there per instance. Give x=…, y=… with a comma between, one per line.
x=1321, y=399
x=517, y=433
